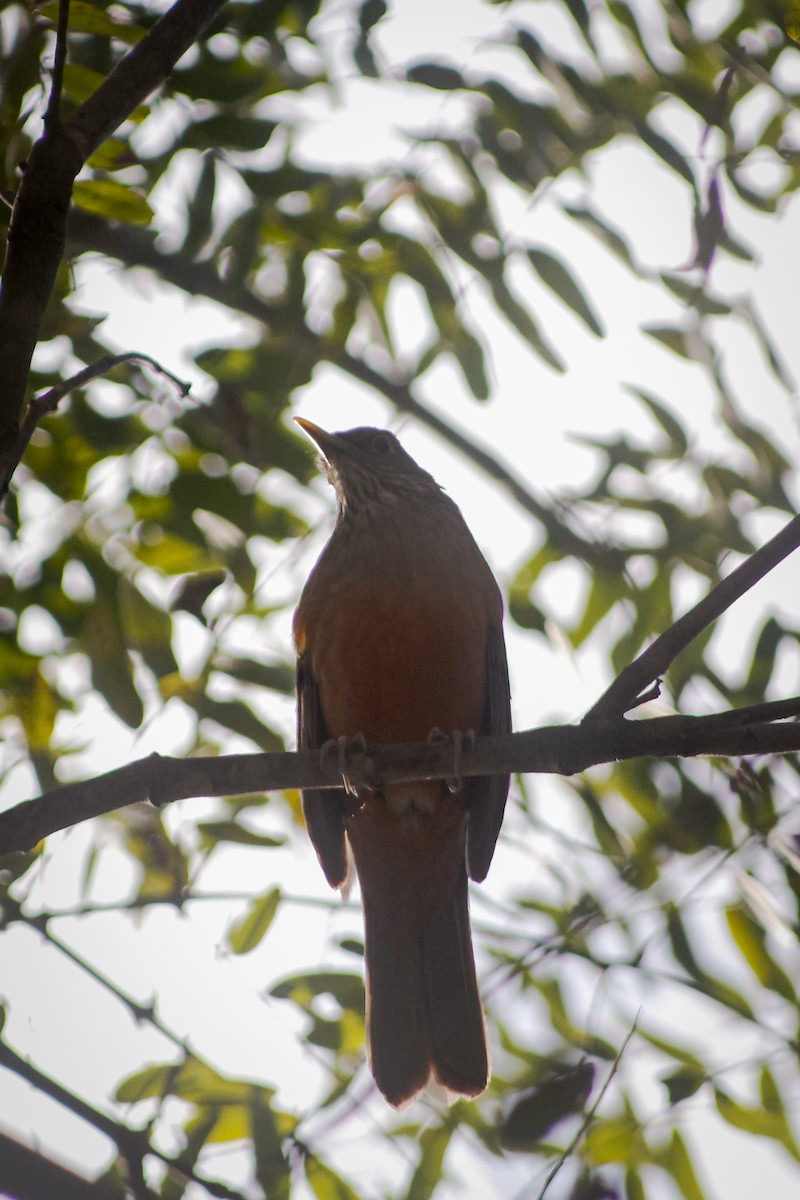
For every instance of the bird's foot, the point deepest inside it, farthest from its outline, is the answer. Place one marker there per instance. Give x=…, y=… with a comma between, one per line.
x=458, y=737
x=342, y=746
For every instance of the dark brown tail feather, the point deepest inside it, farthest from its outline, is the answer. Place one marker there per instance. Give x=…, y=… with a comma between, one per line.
x=424, y=1014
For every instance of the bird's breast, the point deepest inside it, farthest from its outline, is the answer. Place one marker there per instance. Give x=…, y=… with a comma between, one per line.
x=397, y=640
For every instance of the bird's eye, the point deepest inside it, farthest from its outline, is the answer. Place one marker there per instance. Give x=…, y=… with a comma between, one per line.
x=382, y=444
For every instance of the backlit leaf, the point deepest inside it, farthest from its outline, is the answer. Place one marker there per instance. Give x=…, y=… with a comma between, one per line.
x=248, y=932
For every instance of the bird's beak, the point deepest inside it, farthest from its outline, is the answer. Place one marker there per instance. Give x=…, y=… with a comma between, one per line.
x=328, y=443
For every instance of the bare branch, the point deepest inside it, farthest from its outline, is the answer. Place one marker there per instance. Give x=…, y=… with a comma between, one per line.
x=28, y=1175
x=40, y=406
x=626, y=690
x=555, y=749
x=51, y=117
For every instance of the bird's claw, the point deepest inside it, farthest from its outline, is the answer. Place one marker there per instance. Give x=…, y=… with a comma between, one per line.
x=341, y=746
x=458, y=737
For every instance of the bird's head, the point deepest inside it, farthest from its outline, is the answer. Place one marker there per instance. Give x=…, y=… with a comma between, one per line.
x=369, y=468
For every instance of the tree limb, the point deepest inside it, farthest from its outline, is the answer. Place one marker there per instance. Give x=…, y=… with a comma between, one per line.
x=52, y=115
x=133, y=1144
x=555, y=749
x=626, y=690
x=28, y=1175
x=37, y=232
x=139, y=73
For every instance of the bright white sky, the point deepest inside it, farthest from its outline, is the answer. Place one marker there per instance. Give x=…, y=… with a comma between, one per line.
x=529, y=423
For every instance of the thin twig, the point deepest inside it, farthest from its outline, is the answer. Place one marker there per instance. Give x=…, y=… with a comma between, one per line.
x=53, y=113
x=589, y=1117
x=42, y=405
x=626, y=691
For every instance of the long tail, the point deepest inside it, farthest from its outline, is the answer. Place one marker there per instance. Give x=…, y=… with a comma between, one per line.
x=424, y=1014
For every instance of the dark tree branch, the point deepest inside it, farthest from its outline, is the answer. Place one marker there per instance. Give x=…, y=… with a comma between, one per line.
x=626, y=690
x=556, y=749
x=37, y=232
x=51, y=117
x=27, y=1175
x=133, y=1144
x=139, y=73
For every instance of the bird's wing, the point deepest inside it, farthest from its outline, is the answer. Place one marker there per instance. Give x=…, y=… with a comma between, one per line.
x=486, y=794
x=323, y=808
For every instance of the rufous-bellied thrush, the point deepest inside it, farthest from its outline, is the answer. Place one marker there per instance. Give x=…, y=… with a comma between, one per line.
x=398, y=634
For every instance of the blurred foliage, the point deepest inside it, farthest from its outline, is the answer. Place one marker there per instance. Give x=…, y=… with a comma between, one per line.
x=131, y=521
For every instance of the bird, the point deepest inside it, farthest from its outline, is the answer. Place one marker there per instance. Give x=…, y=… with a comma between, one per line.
x=399, y=638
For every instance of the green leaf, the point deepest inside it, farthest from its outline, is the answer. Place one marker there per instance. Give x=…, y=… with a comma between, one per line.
x=692, y=294
x=747, y=309
x=325, y=1183
x=550, y=990
x=146, y=629
x=192, y=592
x=175, y=555
x=345, y=988
x=684, y=1082
x=370, y=13
x=751, y=940
x=112, y=671
x=436, y=75
x=535, y=1112
x=676, y=1161
x=469, y=354
x=606, y=590
x=235, y=133
x=759, y=1121
x=601, y=230
x=247, y=933
x=634, y=1188
x=671, y=426
x=525, y=325
x=200, y=210
x=81, y=82
x=95, y=19
x=552, y=271
x=115, y=154
x=664, y=148
x=37, y=705
x=212, y=78
x=619, y=1140
x=273, y=1169
x=213, y=832
x=684, y=954
x=112, y=200
x=434, y=1143
x=239, y=718
x=153, y=1081
x=671, y=337
x=191, y=1080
